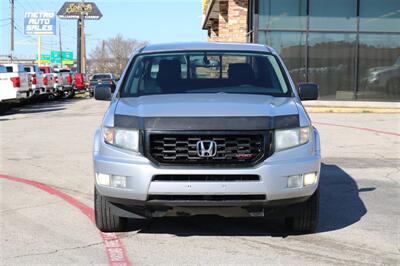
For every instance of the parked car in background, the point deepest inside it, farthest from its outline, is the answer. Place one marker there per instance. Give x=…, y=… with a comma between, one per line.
x=384, y=78
x=79, y=85
x=19, y=80
x=36, y=82
x=65, y=82
x=101, y=78
x=50, y=80
x=207, y=128
x=14, y=85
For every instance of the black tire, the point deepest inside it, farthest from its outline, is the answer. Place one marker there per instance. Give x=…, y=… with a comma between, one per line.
x=51, y=97
x=4, y=107
x=71, y=95
x=105, y=220
x=307, y=215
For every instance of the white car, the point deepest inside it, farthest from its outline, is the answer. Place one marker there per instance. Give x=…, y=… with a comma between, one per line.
x=14, y=84
x=206, y=128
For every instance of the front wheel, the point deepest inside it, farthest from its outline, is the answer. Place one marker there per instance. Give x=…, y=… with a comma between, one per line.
x=68, y=94
x=105, y=220
x=306, y=215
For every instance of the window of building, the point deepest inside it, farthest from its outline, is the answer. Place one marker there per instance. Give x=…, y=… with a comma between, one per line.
x=291, y=47
x=382, y=15
x=333, y=14
x=379, y=67
x=283, y=14
x=331, y=64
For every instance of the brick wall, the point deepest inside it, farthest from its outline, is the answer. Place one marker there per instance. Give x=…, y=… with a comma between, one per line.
x=231, y=25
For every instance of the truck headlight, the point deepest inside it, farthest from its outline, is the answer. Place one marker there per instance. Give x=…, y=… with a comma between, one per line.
x=289, y=138
x=123, y=138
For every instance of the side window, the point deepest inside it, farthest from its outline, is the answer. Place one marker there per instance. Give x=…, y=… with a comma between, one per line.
x=22, y=69
x=269, y=75
x=9, y=69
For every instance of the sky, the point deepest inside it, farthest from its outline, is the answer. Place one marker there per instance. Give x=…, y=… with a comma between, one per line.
x=154, y=21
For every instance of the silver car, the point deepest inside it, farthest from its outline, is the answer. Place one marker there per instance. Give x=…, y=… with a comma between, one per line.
x=206, y=128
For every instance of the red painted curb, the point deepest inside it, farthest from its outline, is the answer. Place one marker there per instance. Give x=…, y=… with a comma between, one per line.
x=359, y=128
x=115, y=249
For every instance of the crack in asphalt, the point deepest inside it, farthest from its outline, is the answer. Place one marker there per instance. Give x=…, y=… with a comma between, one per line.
x=388, y=175
x=54, y=251
x=326, y=258
x=30, y=207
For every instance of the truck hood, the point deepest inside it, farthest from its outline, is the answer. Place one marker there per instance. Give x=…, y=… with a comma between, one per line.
x=206, y=105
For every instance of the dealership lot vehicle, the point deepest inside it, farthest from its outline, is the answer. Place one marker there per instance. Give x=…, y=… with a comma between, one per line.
x=36, y=82
x=66, y=83
x=102, y=78
x=14, y=84
x=79, y=83
x=229, y=132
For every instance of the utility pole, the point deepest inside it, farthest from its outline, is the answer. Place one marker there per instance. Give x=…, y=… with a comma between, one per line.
x=81, y=49
x=12, y=30
x=83, y=45
x=59, y=39
x=78, y=48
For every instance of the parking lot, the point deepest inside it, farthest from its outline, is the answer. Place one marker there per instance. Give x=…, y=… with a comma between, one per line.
x=51, y=221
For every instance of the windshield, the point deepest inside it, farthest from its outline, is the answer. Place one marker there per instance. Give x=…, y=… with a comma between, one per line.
x=205, y=72
x=101, y=76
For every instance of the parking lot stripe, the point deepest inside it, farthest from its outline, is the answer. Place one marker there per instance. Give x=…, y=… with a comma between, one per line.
x=115, y=249
x=359, y=128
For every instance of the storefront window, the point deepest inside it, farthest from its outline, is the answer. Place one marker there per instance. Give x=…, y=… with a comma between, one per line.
x=379, y=67
x=333, y=14
x=331, y=64
x=283, y=14
x=324, y=41
x=382, y=15
x=291, y=47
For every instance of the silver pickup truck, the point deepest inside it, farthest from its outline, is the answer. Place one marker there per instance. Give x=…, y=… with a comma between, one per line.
x=206, y=128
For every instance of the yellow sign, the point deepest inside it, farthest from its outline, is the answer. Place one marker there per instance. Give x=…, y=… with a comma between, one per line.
x=68, y=62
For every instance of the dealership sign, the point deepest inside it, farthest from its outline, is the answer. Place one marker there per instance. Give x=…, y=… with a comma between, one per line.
x=74, y=10
x=40, y=23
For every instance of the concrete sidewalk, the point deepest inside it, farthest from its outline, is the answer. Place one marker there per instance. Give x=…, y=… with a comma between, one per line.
x=351, y=107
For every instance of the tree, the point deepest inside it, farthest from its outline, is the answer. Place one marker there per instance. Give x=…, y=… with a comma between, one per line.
x=111, y=55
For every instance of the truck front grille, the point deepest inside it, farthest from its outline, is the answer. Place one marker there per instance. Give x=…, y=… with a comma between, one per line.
x=232, y=148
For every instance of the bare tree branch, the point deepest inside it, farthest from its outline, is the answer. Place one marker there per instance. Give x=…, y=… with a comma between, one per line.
x=111, y=55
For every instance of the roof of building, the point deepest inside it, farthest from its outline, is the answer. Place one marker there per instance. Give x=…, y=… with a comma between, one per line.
x=209, y=46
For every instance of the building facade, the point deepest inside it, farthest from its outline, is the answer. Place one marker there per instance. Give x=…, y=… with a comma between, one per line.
x=350, y=47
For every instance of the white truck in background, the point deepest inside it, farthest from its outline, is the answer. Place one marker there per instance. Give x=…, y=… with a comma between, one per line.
x=61, y=79
x=50, y=80
x=66, y=83
x=35, y=77
x=14, y=85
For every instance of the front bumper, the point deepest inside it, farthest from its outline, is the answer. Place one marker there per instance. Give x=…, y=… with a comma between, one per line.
x=273, y=172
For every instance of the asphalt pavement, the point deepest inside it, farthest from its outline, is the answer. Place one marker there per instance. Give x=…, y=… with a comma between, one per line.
x=47, y=199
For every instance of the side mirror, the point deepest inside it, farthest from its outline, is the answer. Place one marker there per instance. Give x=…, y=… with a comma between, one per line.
x=308, y=91
x=102, y=93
